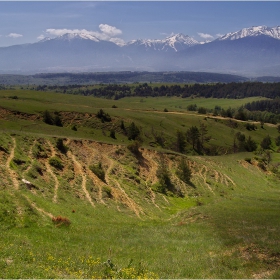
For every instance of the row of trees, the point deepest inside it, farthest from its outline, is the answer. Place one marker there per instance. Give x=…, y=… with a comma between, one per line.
x=218, y=90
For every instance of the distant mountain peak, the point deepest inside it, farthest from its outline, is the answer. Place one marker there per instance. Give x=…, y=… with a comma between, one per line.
x=253, y=31
x=175, y=42
x=72, y=36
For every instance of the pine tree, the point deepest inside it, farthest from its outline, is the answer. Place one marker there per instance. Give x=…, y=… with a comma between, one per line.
x=184, y=172
x=181, y=142
x=193, y=136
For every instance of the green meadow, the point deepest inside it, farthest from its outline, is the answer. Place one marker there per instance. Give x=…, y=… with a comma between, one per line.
x=71, y=224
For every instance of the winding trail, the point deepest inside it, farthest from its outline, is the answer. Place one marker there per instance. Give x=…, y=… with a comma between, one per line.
x=80, y=171
x=49, y=169
x=120, y=193
x=12, y=172
x=30, y=156
x=37, y=208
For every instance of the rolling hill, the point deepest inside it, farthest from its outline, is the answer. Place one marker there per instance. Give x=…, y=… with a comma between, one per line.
x=79, y=203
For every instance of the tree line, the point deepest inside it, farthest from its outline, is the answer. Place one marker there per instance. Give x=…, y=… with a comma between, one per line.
x=219, y=90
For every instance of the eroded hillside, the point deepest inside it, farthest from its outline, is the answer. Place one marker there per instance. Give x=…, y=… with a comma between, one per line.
x=129, y=181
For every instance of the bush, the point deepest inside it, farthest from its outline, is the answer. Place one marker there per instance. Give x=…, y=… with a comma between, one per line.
x=277, y=141
x=104, y=117
x=98, y=171
x=133, y=131
x=266, y=142
x=250, y=144
x=134, y=147
x=47, y=118
x=164, y=183
x=183, y=171
x=57, y=121
x=202, y=110
x=108, y=191
x=60, y=146
x=56, y=163
x=248, y=160
x=74, y=127
x=192, y=107
x=113, y=134
x=250, y=126
x=61, y=221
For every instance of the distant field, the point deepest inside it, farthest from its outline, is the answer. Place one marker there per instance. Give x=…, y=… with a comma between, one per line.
x=33, y=101
x=147, y=113
x=177, y=104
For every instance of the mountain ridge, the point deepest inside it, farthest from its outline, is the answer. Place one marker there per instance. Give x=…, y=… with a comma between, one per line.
x=254, y=51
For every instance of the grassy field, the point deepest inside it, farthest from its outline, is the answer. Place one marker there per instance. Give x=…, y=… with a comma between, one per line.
x=225, y=225
x=147, y=113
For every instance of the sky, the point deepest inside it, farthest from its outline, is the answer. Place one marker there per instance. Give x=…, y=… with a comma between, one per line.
x=121, y=21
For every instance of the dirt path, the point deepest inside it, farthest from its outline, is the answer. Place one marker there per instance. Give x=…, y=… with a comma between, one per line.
x=12, y=172
x=79, y=170
x=30, y=156
x=122, y=196
x=37, y=208
x=97, y=182
x=49, y=170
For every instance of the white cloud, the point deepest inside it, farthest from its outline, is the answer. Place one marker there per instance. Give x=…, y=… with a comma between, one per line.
x=110, y=30
x=41, y=37
x=14, y=35
x=108, y=33
x=60, y=32
x=205, y=36
x=219, y=35
x=118, y=41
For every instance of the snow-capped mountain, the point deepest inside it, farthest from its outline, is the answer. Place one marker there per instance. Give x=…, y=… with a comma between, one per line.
x=254, y=31
x=79, y=36
x=254, y=50
x=175, y=43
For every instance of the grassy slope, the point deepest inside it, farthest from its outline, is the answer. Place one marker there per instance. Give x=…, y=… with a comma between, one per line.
x=225, y=227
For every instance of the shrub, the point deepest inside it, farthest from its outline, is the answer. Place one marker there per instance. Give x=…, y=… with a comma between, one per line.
x=192, y=107
x=107, y=190
x=61, y=221
x=250, y=144
x=113, y=134
x=74, y=127
x=122, y=125
x=164, y=183
x=13, y=97
x=133, y=131
x=248, y=160
x=202, y=110
x=134, y=147
x=98, y=171
x=60, y=146
x=47, y=118
x=104, y=117
x=277, y=141
x=56, y=163
x=183, y=171
x=57, y=121
x=250, y=126
x=266, y=142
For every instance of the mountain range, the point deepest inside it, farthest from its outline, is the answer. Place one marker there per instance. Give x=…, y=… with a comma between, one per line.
x=251, y=51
